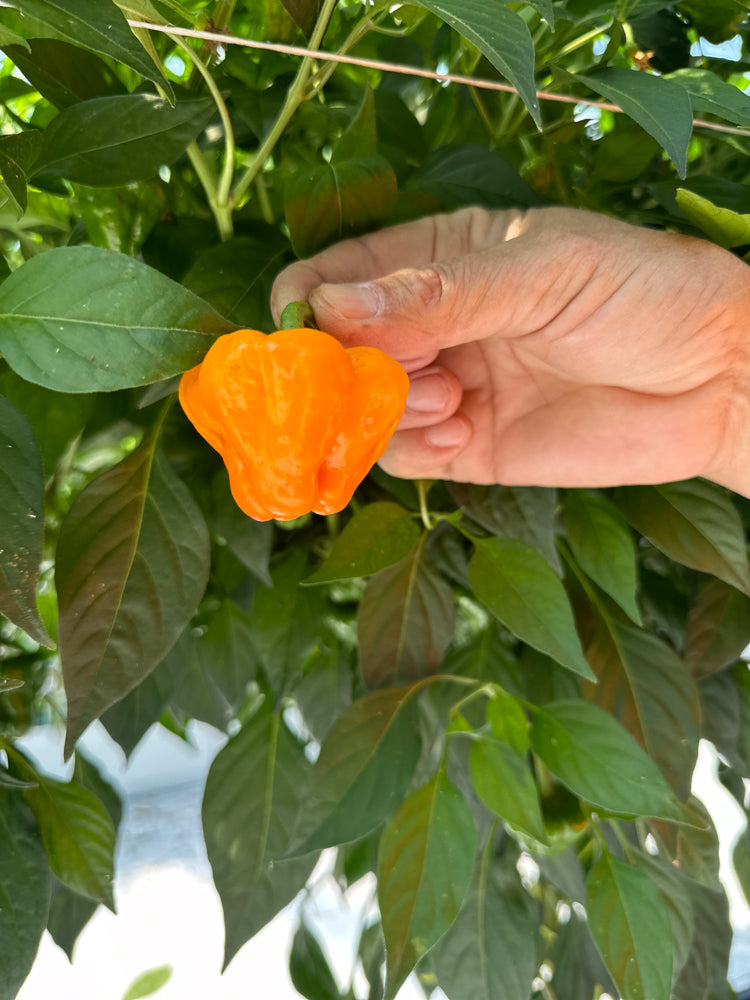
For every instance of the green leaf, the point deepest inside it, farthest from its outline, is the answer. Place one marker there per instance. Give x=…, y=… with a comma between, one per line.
x=109, y=141
x=694, y=523
x=675, y=893
x=709, y=93
x=520, y=588
x=364, y=770
x=9, y=37
x=249, y=540
x=648, y=688
x=18, y=153
x=705, y=972
x=360, y=138
x=327, y=202
x=424, y=869
x=603, y=547
x=660, y=106
x=149, y=983
x=578, y=967
x=235, y=277
x=304, y=12
x=405, y=622
x=722, y=225
x=64, y=74
x=718, y=628
x=469, y=174
x=285, y=621
x=24, y=893
x=96, y=25
x=599, y=761
x=503, y=780
x=128, y=720
x=693, y=847
x=508, y=722
x=490, y=951
x=250, y=807
x=742, y=677
x=132, y=564
x=79, y=319
x=631, y=928
x=526, y=513
x=309, y=969
x=69, y=913
x=501, y=35
x=78, y=835
x=378, y=536
x=21, y=496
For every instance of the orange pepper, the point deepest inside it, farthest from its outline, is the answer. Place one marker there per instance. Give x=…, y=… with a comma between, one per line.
x=298, y=419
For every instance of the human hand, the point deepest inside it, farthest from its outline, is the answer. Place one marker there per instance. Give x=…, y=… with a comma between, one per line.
x=555, y=347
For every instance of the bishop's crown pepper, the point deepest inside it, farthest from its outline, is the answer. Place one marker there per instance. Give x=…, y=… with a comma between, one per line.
x=298, y=419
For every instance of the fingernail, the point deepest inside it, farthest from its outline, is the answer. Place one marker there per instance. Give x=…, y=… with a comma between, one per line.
x=449, y=434
x=428, y=393
x=355, y=301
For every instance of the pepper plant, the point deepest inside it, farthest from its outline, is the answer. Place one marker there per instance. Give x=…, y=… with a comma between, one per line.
x=490, y=697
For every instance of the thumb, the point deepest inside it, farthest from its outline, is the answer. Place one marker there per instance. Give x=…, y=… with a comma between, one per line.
x=415, y=312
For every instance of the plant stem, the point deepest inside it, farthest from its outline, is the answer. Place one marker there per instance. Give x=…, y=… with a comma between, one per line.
x=423, y=488
x=218, y=196
x=295, y=96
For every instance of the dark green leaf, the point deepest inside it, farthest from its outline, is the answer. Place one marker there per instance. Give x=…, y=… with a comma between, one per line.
x=148, y=983
x=235, y=277
x=742, y=677
x=565, y=872
x=308, y=967
x=64, y=74
x=675, y=894
x=326, y=202
x=520, y=588
x=694, y=848
x=249, y=540
x=304, y=12
x=501, y=35
x=425, y=865
x=378, y=536
x=24, y=893
x=78, y=835
x=718, y=628
x=129, y=719
x=660, y=106
x=109, y=141
x=693, y=522
x=68, y=915
x=286, y=620
x=79, y=319
x=193, y=688
x=404, y=623
x=459, y=174
x=360, y=137
x=709, y=93
x=364, y=770
x=526, y=513
x=490, y=951
x=132, y=564
x=599, y=761
x=603, y=546
x=578, y=969
x=250, y=808
x=705, y=972
x=648, y=688
x=18, y=153
x=21, y=495
x=630, y=925
x=96, y=25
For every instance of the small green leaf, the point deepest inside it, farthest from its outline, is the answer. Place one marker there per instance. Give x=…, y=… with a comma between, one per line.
x=364, y=770
x=96, y=25
x=79, y=319
x=69, y=913
x=8, y=38
x=660, y=106
x=250, y=807
x=148, y=983
x=304, y=12
x=599, y=761
x=404, y=622
x=722, y=225
x=501, y=35
x=309, y=969
x=693, y=522
x=631, y=927
x=360, y=137
x=424, y=869
x=24, y=893
x=326, y=202
x=109, y=141
x=21, y=496
x=132, y=564
x=709, y=93
x=603, y=546
x=18, y=153
x=378, y=536
x=503, y=780
x=520, y=588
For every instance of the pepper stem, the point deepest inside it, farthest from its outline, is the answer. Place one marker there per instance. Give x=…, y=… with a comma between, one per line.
x=297, y=315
